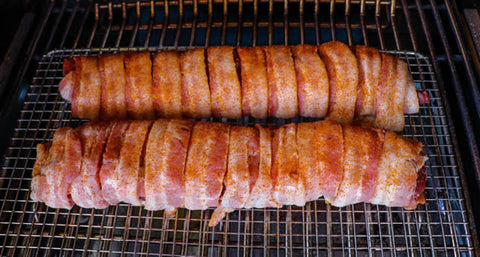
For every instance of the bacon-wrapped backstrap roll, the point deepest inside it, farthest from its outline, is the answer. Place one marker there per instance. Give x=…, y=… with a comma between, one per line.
x=327, y=81
x=176, y=163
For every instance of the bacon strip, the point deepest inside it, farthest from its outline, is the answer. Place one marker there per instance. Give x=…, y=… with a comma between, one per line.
x=288, y=188
x=312, y=82
x=261, y=191
x=206, y=165
x=369, y=67
x=362, y=148
x=131, y=166
x=138, y=89
x=112, y=102
x=253, y=81
x=320, y=161
x=242, y=171
x=58, y=165
x=86, y=190
x=181, y=163
x=110, y=172
x=390, y=94
x=86, y=94
x=196, y=100
x=400, y=161
x=224, y=85
x=342, y=71
x=282, y=83
x=165, y=157
x=167, y=84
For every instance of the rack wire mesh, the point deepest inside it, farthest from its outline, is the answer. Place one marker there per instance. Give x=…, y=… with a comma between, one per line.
x=441, y=227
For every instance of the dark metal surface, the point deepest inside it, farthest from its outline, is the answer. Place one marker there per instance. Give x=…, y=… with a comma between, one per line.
x=443, y=227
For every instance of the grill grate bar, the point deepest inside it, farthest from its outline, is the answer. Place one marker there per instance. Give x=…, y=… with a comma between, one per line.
x=441, y=226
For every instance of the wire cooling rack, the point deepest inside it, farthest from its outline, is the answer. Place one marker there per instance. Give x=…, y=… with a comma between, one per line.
x=438, y=228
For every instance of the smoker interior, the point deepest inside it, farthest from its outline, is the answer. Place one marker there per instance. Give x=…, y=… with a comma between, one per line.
x=423, y=34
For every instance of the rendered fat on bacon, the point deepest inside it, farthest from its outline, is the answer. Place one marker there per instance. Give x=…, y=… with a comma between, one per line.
x=196, y=99
x=58, y=164
x=342, y=72
x=112, y=100
x=167, y=84
x=282, y=83
x=253, y=73
x=224, y=84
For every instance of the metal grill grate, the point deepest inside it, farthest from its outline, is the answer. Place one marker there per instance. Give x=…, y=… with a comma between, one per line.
x=439, y=227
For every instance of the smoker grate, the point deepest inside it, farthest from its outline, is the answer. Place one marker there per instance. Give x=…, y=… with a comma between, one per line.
x=440, y=227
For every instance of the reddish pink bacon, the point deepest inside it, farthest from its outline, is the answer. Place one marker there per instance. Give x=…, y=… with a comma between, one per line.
x=342, y=72
x=165, y=157
x=327, y=81
x=253, y=73
x=86, y=189
x=58, y=165
x=197, y=165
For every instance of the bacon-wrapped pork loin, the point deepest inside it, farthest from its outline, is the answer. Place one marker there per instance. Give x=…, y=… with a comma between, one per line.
x=176, y=163
x=331, y=81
